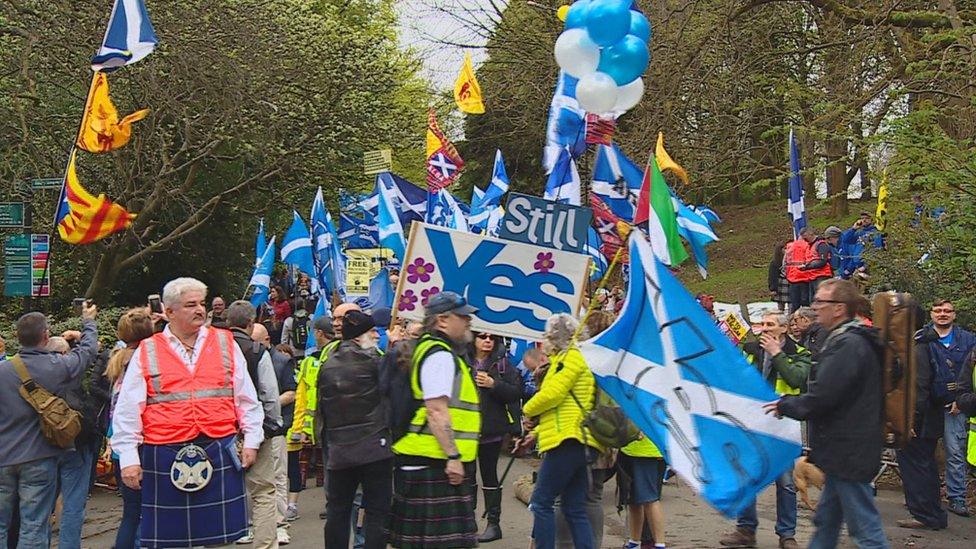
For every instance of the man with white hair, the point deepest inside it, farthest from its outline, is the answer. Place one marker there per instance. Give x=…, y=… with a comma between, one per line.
x=185, y=397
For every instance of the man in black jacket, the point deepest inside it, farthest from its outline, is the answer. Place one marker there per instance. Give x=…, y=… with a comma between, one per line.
x=843, y=405
x=916, y=461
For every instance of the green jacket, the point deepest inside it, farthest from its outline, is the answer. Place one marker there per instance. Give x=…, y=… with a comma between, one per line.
x=791, y=366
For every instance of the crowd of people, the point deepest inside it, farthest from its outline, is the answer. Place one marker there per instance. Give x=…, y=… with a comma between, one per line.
x=216, y=419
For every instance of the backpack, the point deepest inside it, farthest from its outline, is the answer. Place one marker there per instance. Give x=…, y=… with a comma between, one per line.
x=59, y=423
x=299, y=331
x=607, y=423
x=895, y=316
x=403, y=406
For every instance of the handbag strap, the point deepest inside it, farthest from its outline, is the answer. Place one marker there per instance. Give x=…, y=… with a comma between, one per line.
x=21, y=369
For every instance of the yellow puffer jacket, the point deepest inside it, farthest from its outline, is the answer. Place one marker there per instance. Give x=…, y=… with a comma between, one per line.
x=560, y=417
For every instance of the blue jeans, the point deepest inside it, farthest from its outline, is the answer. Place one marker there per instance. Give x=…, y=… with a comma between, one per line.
x=785, y=508
x=851, y=502
x=128, y=535
x=564, y=474
x=34, y=484
x=954, y=439
x=74, y=471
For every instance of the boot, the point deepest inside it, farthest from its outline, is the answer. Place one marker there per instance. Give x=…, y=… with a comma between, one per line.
x=493, y=510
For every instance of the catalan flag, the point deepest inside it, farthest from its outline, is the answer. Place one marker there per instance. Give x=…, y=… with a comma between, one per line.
x=101, y=130
x=443, y=161
x=82, y=218
x=467, y=91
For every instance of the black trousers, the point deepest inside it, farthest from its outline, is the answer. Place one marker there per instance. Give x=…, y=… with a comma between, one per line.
x=377, y=481
x=488, y=463
x=799, y=295
x=920, y=477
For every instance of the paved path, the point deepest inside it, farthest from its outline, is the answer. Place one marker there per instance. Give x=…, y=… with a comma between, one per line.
x=691, y=523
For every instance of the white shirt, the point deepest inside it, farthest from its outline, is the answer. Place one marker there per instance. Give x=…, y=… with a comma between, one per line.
x=437, y=375
x=127, y=418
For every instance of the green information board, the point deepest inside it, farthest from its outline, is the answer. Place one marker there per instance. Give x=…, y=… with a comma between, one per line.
x=17, y=258
x=11, y=214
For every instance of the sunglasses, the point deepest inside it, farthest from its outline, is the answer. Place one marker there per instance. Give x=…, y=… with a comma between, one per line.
x=483, y=336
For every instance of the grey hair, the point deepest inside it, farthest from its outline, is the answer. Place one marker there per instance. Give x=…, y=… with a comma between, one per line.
x=558, y=336
x=30, y=329
x=240, y=314
x=174, y=289
x=430, y=323
x=58, y=344
x=781, y=319
x=805, y=312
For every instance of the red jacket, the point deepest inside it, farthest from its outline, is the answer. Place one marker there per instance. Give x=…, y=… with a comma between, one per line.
x=797, y=254
x=180, y=406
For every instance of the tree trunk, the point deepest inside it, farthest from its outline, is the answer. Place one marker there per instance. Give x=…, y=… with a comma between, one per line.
x=837, y=182
x=105, y=274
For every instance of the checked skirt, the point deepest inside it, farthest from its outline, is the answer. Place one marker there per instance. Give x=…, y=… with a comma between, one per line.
x=429, y=512
x=213, y=516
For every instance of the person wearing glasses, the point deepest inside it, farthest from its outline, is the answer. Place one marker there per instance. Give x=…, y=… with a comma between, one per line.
x=433, y=506
x=843, y=405
x=499, y=390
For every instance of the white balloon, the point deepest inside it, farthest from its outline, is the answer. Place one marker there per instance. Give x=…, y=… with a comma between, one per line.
x=629, y=95
x=597, y=93
x=576, y=53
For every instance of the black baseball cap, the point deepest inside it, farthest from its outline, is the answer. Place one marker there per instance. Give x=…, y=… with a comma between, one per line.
x=449, y=303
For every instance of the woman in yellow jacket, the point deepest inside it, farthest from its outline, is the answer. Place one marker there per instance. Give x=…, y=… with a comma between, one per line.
x=557, y=411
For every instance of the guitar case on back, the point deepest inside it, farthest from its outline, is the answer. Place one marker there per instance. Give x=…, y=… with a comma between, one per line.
x=895, y=316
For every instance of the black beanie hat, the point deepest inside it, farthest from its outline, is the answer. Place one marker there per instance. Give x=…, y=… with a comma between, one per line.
x=355, y=324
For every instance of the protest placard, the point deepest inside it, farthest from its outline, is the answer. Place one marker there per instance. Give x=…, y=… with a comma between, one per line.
x=361, y=266
x=515, y=286
x=534, y=220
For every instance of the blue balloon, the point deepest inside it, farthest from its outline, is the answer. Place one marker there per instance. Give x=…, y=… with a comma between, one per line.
x=576, y=16
x=640, y=26
x=608, y=21
x=625, y=61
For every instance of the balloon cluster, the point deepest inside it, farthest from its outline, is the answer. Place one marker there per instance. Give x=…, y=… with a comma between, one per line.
x=605, y=46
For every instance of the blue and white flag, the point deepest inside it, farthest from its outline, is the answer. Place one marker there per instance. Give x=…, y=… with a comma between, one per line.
x=564, y=181
x=128, y=38
x=296, y=247
x=261, y=278
x=794, y=205
x=260, y=241
x=391, y=233
x=329, y=261
x=355, y=232
x=321, y=309
x=410, y=200
x=381, y=291
x=567, y=123
x=447, y=212
x=696, y=231
x=690, y=390
x=598, y=265
x=484, y=202
x=617, y=181
x=709, y=214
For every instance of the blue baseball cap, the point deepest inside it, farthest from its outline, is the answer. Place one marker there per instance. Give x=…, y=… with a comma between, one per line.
x=449, y=303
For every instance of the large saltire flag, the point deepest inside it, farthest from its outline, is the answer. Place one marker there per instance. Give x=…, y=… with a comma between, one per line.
x=616, y=180
x=128, y=38
x=794, y=204
x=695, y=229
x=690, y=390
x=566, y=126
x=467, y=91
x=444, y=164
x=563, y=185
x=881, y=214
x=655, y=207
x=101, y=130
x=391, y=234
x=296, y=246
x=483, y=203
x=82, y=218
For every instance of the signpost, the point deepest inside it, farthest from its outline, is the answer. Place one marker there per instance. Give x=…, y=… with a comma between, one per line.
x=46, y=183
x=17, y=258
x=378, y=161
x=11, y=215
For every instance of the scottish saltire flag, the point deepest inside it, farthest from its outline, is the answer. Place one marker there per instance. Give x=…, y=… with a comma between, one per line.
x=128, y=38
x=566, y=126
x=484, y=202
x=564, y=181
x=355, y=233
x=495, y=220
x=447, y=212
x=260, y=241
x=261, y=278
x=321, y=309
x=325, y=243
x=391, y=233
x=381, y=291
x=516, y=350
x=296, y=246
x=708, y=213
x=598, y=263
x=695, y=229
x=690, y=390
x=617, y=181
x=410, y=200
x=794, y=205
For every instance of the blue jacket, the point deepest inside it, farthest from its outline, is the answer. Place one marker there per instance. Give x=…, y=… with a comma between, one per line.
x=949, y=362
x=851, y=246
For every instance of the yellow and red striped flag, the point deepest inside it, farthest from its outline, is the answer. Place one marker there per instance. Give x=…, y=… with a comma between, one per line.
x=83, y=218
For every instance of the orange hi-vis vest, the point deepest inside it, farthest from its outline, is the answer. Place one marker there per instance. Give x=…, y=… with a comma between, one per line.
x=797, y=253
x=812, y=255
x=180, y=405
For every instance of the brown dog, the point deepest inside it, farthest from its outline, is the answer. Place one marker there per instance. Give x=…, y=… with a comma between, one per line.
x=805, y=475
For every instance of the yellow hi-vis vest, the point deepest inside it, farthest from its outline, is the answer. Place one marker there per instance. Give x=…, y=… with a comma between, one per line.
x=641, y=448
x=309, y=373
x=463, y=407
x=781, y=387
x=971, y=453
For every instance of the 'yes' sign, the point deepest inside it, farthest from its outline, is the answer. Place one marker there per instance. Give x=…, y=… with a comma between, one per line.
x=516, y=287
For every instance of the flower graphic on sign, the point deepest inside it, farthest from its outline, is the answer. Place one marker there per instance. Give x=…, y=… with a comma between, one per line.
x=408, y=301
x=428, y=293
x=419, y=271
x=544, y=262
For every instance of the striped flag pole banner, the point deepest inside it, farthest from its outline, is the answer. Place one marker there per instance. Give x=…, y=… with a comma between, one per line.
x=794, y=204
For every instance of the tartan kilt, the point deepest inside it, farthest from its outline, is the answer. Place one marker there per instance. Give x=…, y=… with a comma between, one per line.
x=430, y=512
x=215, y=515
x=782, y=291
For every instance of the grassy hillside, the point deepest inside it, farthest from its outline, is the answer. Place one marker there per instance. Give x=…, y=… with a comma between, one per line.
x=738, y=262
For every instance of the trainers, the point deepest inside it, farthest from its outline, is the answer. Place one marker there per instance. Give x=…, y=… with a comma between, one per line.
x=632, y=545
x=284, y=538
x=741, y=537
x=788, y=543
x=291, y=515
x=958, y=507
x=248, y=538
